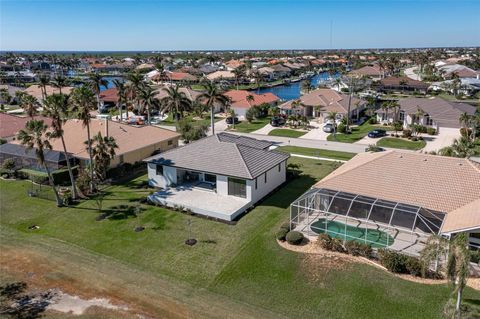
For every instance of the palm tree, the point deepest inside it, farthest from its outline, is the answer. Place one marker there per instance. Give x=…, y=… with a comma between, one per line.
x=59, y=82
x=239, y=73
x=161, y=71
x=307, y=86
x=96, y=82
x=56, y=108
x=122, y=96
x=338, y=83
x=176, y=102
x=147, y=95
x=458, y=266
x=212, y=95
x=103, y=151
x=333, y=116
x=435, y=248
x=33, y=136
x=135, y=83
x=83, y=101
x=385, y=108
x=44, y=80
x=29, y=105
x=233, y=115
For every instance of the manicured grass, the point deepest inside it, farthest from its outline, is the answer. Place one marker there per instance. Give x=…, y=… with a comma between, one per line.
x=394, y=142
x=358, y=132
x=239, y=267
x=344, y=156
x=245, y=127
x=286, y=132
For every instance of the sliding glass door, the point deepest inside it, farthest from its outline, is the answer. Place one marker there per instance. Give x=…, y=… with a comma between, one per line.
x=237, y=187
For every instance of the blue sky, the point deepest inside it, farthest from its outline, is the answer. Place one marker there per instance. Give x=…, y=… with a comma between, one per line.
x=216, y=25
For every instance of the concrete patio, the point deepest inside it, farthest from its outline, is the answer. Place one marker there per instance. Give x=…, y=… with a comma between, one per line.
x=201, y=201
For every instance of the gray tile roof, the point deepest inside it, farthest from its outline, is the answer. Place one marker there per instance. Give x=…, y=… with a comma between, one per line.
x=444, y=113
x=223, y=154
x=244, y=140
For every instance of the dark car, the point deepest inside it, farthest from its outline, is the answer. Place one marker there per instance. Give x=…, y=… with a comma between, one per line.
x=277, y=121
x=377, y=133
x=230, y=120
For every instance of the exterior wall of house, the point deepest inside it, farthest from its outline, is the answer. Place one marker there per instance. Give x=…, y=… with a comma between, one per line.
x=240, y=111
x=162, y=181
x=222, y=185
x=140, y=154
x=274, y=179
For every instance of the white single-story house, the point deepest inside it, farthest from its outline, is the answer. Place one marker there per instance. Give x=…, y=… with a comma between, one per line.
x=219, y=176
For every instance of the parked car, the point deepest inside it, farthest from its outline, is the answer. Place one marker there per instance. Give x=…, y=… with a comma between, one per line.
x=377, y=133
x=328, y=128
x=229, y=120
x=277, y=121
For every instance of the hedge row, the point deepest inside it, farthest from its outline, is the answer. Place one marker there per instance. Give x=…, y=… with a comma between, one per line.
x=351, y=247
x=60, y=176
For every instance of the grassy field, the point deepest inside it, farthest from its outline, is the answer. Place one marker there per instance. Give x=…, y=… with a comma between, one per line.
x=358, y=132
x=394, y=142
x=344, y=156
x=245, y=127
x=235, y=271
x=286, y=132
x=206, y=120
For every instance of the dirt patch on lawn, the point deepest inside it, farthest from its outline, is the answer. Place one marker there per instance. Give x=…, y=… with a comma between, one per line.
x=77, y=295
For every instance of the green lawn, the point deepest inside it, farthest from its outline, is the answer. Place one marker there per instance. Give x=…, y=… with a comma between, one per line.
x=394, y=142
x=234, y=271
x=245, y=127
x=285, y=132
x=357, y=134
x=344, y=156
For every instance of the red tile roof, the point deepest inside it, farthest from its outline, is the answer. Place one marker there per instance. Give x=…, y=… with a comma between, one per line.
x=11, y=124
x=109, y=95
x=239, y=98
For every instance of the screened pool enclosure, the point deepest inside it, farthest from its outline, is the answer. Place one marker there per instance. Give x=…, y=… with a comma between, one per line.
x=380, y=223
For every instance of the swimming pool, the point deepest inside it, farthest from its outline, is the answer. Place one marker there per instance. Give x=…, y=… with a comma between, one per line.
x=376, y=238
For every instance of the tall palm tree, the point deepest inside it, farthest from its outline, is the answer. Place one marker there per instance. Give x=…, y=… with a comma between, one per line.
x=59, y=81
x=333, y=116
x=29, y=105
x=56, y=108
x=458, y=266
x=82, y=102
x=149, y=100
x=135, y=83
x=33, y=137
x=307, y=86
x=239, y=73
x=97, y=82
x=176, y=102
x=44, y=80
x=162, y=74
x=103, y=151
x=212, y=95
x=122, y=96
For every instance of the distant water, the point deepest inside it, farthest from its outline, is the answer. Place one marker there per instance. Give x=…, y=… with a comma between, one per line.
x=110, y=81
x=292, y=91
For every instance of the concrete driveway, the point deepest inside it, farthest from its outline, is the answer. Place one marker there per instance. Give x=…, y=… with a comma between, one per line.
x=444, y=138
x=411, y=74
x=264, y=130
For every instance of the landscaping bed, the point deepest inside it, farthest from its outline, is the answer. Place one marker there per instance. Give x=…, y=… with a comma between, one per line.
x=286, y=132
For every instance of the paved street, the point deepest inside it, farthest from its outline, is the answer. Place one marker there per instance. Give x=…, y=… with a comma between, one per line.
x=411, y=74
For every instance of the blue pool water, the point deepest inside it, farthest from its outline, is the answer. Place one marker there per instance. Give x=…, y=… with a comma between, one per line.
x=292, y=91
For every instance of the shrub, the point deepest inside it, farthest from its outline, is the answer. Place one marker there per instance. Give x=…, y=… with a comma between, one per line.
x=337, y=245
x=8, y=164
x=324, y=241
x=287, y=226
x=281, y=234
x=356, y=248
x=431, y=131
x=341, y=128
x=2, y=141
x=407, y=133
x=414, y=138
x=83, y=181
x=250, y=115
x=294, y=237
x=35, y=176
x=465, y=132
x=475, y=256
x=413, y=266
x=372, y=120
x=393, y=261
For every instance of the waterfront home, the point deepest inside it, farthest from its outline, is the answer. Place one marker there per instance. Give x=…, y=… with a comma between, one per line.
x=36, y=91
x=241, y=100
x=219, y=176
x=401, y=84
x=468, y=86
x=233, y=64
x=221, y=75
x=371, y=71
x=448, y=70
x=320, y=102
x=421, y=195
x=432, y=112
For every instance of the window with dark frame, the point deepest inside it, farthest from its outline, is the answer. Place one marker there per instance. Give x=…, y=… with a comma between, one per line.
x=237, y=187
x=159, y=169
x=280, y=167
x=265, y=177
x=256, y=183
x=170, y=142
